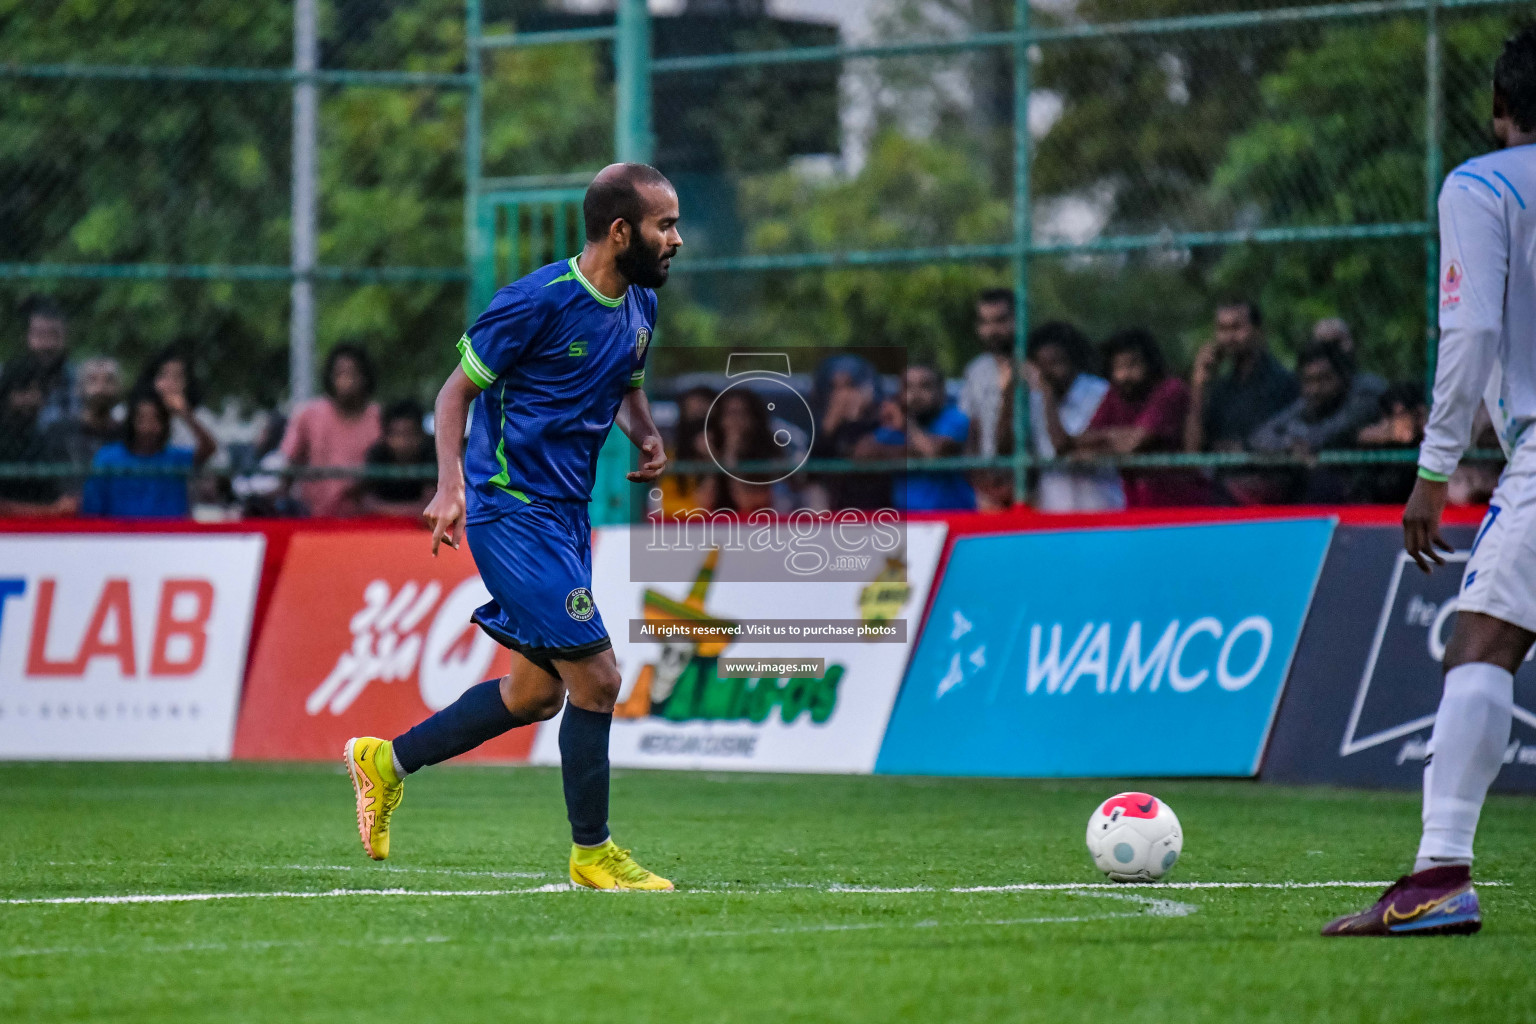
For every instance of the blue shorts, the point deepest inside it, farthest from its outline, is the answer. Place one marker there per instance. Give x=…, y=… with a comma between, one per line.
x=537, y=563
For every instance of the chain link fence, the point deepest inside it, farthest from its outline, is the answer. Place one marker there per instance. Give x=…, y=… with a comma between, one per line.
x=1122, y=162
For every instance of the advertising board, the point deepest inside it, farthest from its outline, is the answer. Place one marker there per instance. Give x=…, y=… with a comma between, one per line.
x=1107, y=652
x=367, y=634
x=123, y=646
x=682, y=707
x=1366, y=684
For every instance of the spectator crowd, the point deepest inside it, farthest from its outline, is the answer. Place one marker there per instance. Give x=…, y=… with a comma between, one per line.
x=1087, y=403
x=120, y=450
x=126, y=451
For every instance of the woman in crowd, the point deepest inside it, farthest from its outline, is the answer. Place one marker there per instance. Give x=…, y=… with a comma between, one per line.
x=739, y=431
x=335, y=431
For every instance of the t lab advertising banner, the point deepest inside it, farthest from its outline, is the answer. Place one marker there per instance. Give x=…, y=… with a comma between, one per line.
x=1114, y=652
x=683, y=705
x=1367, y=682
x=123, y=647
x=367, y=634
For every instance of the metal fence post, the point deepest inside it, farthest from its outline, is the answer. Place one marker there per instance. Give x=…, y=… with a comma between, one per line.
x=1022, y=239
x=1432, y=170
x=478, y=266
x=632, y=141
x=301, y=231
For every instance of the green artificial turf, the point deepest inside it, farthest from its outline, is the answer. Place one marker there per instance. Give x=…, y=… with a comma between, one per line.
x=765, y=940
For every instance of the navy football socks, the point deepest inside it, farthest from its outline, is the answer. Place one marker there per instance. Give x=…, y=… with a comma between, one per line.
x=478, y=715
x=584, y=771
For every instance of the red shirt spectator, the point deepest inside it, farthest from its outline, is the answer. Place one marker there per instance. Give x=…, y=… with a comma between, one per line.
x=1144, y=412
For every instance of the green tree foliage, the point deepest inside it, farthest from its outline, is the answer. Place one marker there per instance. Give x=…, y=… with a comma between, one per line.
x=114, y=172
x=909, y=193
x=1341, y=141
x=1301, y=124
x=1278, y=125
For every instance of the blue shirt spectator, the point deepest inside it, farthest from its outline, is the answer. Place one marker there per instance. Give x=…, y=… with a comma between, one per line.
x=146, y=446
x=930, y=427
x=162, y=497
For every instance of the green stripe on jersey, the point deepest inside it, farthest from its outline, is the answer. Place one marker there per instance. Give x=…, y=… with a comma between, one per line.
x=473, y=368
x=599, y=296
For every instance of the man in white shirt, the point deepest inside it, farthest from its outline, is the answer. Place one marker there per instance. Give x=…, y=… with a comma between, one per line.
x=1487, y=353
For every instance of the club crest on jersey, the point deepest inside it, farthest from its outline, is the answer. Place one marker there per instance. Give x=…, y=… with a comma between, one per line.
x=579, y=604
x=1450, y=286
x=642, y=340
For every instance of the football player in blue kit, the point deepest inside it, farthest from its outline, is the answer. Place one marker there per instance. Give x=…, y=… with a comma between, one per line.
x=546, y=371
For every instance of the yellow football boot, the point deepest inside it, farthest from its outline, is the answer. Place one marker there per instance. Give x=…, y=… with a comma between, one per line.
x=609, y=867
x=370, y=763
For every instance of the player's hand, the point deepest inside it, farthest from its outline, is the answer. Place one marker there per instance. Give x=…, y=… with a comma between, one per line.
x=653, y=461
x=445, y=515
x=1421, y=524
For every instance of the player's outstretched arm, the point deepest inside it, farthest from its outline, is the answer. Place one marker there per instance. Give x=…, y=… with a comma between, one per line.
x=445, y=513
x=634, y=419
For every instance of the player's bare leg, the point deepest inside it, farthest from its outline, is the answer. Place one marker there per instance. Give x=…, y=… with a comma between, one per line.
x=378, y=767
x=596, y=861
x=531, y=691
x=1466, y=750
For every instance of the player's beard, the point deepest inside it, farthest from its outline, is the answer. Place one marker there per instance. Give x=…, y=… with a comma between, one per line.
x=641, y=264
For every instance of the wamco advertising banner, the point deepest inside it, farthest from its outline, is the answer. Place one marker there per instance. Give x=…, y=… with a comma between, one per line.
x=735, y=668
x=1367, y=680
x=123, y=647
x=367, y=635
x=1107, y=652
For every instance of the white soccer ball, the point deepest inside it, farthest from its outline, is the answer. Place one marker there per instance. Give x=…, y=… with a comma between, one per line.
x=1134, y=837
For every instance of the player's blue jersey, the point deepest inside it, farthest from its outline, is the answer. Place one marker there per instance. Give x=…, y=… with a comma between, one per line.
x=554, y=357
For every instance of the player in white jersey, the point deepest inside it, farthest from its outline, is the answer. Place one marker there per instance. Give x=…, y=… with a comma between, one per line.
x=1487, y=354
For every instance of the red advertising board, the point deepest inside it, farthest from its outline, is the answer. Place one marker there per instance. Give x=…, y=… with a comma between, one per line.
x=366, y=634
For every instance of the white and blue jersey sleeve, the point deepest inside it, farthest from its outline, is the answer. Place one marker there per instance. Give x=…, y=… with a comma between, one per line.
x=1487, y=348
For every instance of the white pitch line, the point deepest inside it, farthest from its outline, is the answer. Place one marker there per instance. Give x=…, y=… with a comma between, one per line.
x=1083, y=887
x=1153, y=908
x=203, y=897
x=1073, y=886
x=456, y=872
